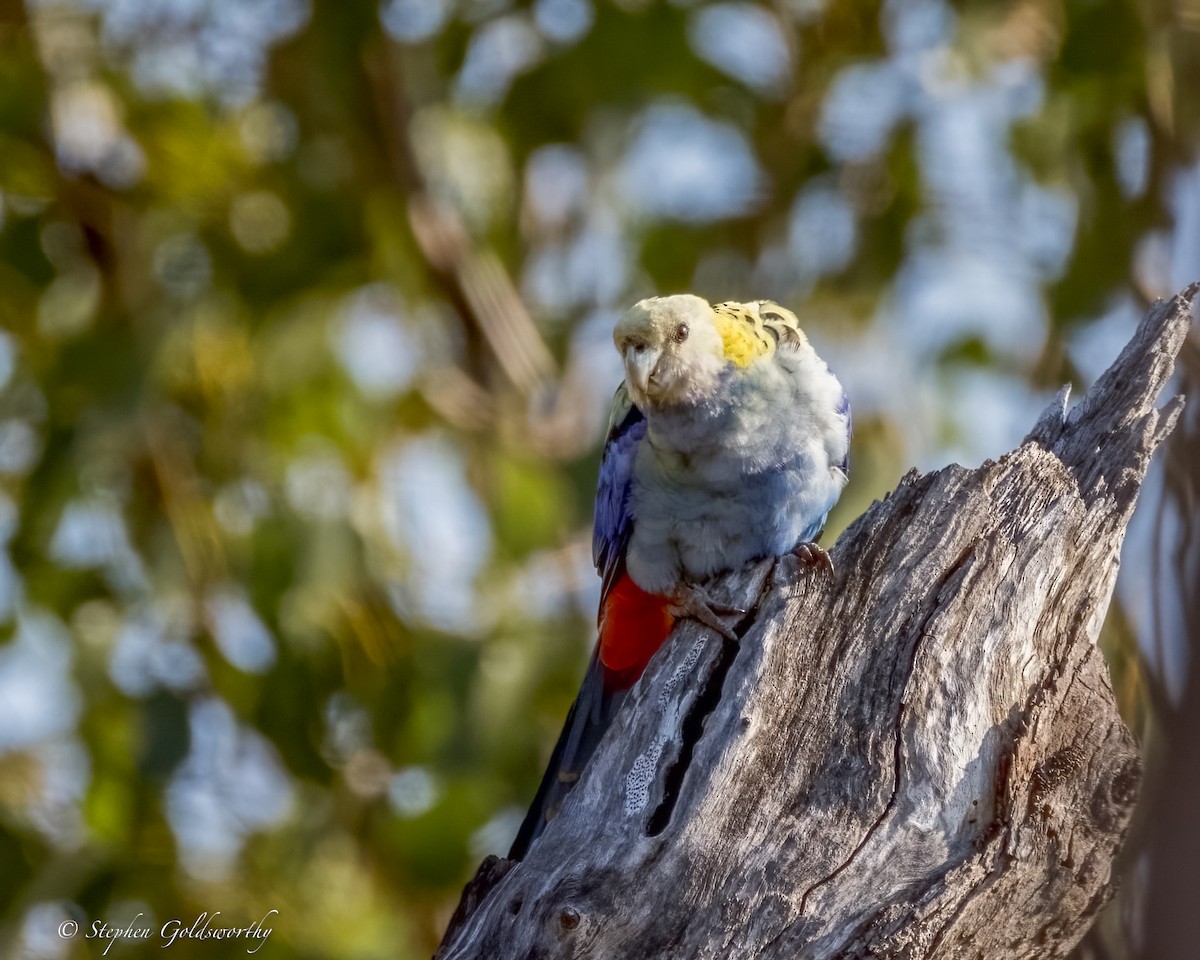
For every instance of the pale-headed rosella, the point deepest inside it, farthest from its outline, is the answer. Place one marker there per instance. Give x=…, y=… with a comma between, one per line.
x=729, y=441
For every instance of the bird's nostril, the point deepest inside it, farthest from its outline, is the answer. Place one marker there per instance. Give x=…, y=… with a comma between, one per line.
x=639, y=348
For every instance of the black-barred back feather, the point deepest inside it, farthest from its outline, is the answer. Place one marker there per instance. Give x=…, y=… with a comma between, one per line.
x=780, y=323
x=756, y=329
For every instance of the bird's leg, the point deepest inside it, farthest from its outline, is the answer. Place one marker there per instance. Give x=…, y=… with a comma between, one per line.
x=812, y=555
x=693, y=602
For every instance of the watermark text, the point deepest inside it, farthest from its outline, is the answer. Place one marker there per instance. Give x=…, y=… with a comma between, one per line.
x=205, y=926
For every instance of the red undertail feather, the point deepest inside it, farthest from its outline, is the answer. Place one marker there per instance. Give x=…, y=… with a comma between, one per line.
x=633, y=625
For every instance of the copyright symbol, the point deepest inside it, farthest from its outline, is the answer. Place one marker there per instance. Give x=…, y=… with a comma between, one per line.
x=67, y=929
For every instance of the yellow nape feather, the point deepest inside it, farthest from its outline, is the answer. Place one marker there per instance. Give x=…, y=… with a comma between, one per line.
x=743, y=338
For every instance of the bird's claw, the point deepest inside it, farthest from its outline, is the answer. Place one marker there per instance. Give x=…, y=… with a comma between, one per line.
x=812, y=555
x=694, y=602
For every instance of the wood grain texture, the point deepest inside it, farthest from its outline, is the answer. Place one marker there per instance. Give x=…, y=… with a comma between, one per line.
x=917, y=757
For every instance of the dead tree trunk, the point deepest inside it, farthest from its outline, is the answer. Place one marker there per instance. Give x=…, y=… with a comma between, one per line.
x=918, y=757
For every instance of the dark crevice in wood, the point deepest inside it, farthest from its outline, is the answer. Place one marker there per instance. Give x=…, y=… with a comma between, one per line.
x=692, y=728
x=887, y=809
x=958, y=568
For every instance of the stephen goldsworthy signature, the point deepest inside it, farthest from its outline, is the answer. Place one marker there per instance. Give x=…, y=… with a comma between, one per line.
x=203, y=927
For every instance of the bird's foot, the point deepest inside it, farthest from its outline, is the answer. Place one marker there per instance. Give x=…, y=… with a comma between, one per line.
x=813, y=556
x=694, y=603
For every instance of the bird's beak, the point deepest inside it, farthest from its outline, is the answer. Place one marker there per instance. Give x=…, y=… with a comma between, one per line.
x=640, y=366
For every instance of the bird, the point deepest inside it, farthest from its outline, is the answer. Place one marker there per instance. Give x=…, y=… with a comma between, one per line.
x=728, y=441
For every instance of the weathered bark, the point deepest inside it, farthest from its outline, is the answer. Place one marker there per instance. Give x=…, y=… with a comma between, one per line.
x=918, y=757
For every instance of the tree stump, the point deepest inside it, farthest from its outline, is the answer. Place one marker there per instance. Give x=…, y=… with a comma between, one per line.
x=918, y=756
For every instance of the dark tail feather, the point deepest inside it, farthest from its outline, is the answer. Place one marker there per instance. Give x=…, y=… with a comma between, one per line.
x=590, y=715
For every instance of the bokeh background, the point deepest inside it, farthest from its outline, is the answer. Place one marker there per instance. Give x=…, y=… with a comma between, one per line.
x=305, y=310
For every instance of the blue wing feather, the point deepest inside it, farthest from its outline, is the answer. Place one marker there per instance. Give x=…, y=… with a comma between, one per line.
x=613, y=517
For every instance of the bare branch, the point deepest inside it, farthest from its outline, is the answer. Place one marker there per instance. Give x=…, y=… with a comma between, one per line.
x=468, y=272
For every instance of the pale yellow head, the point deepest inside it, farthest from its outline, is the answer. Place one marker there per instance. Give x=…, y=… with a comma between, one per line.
x=675, y=348
x=672, y=350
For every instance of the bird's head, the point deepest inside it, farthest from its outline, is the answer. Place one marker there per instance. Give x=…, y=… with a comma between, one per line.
x=672, y=349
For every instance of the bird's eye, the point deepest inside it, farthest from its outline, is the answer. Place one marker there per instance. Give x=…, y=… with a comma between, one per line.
x=639, y=347
x=681, y=333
